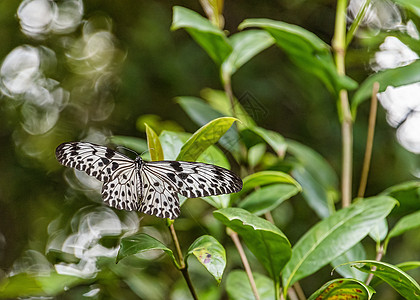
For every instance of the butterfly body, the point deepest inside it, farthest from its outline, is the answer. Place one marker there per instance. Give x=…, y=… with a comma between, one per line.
x=150, y=187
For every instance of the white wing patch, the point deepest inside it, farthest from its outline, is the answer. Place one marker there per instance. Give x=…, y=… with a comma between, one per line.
x=150, y=187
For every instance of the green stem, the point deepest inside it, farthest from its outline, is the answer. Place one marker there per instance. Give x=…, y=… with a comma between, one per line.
x=356, y=23
x=339, y=46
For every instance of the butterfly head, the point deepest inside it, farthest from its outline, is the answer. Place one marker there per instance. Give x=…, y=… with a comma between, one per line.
x=138, y=160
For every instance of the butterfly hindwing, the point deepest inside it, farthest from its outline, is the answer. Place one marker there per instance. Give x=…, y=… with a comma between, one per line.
x=193, y=179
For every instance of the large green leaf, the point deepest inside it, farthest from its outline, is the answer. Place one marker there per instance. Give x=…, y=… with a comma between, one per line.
x=24, y=285
x=204, y=137
x=207, y=35
x=405, y=266
x=335, y=235
x=406, y=223
x=400, y=281
x=141, y=242
x=211, y=254
x=238, y=287
x=357, y=252
x=266, y=241
x=306, y=50
x=153, y=143
x=245, y=45
x=391, y=77
x=266, y=177
x=343, y=288
x=267, y=198
x=408, y=196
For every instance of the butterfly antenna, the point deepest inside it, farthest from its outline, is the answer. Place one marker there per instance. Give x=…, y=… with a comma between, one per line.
x=145, y=151
x=128, y=149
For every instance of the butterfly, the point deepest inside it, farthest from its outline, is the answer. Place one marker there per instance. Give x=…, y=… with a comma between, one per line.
x=149, y=187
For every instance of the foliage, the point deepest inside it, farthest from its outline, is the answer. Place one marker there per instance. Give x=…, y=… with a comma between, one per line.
x=97, y=252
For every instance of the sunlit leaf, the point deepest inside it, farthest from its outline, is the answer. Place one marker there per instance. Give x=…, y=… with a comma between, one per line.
x=265, y=240
x=335, y=235
x=141, y=242
x=203, y=138
x=391, y=77
x=343, y=288
x=306, y=50
x=211, y=254
x=267, y=198
x=267, y=177
x=153, y=143
x=207, y=35
x=400, y=281
x=239, y=288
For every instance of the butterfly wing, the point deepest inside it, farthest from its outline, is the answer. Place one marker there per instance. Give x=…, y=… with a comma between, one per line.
x=193, y=179
x=115, y=170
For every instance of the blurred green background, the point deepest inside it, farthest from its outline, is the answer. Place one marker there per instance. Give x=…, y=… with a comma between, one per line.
x=90, y=69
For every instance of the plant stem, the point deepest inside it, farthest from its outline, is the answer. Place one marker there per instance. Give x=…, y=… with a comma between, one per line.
x=369, y=141
x=227, y=86
x=182, y=265
x=299, y=291
x=356, y=23
x=379, y=255
x=269, y=217
x=339, y=46
x=234, y=236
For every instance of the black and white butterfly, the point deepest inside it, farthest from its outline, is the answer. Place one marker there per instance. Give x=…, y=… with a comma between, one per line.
x=150, y=187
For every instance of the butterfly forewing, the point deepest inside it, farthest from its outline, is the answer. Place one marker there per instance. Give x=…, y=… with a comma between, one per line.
x=150, y=187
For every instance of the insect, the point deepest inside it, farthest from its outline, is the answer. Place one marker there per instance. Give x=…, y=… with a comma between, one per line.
x=149, y=187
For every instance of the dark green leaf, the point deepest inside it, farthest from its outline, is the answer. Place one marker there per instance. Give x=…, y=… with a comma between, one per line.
x=211, y=254
x=306, y=50
x=203, y=138
x=141, y=242
x=335, y=235
x=400, y=281
x=153, y=143
x=343, y=288
x=137, y=144
x=406, y=223
x=391, y=77
x=407, y=194
x=208, y=36
x=266, y=241
x=238, y=287
x=357, y=252
x=267, y=198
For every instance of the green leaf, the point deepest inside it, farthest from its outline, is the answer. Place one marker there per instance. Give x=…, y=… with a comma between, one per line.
x=204, y=137
x=245, y=45
x=211, y=254
x=238, y=287
x=265, y=240
x=141, y=242
x=208, y=36
x=407, y=194
x=412, y=5
x=405, y=266
x=400, y=281
x=342, y=288
x=378, y=233
x=406, y=223
x=255, y=154
x=306, y=50
x=335, y=235
x=274, y=139
x=137, y=144
x=32, y=285
x=266, y=177
x=153, y=143
x=357, y=252
x=267, y=198
x=391, y=77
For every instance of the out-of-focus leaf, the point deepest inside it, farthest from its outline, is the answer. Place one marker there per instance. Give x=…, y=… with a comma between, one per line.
x=343, y=288
x=31, y=285
x=153, y=143
x=265, y=240
x=203, y=138
x=357, y=252
x=245, y=45
x=255, y=154
x=378, y=233
x=400, y=281
x=335, y=235
x=407, y=194
x=142, y=242
x=211, y=254
x=267, y=198
x=266, y=177
x=202, y=113
x=412, y=5
x=218, y=202
x=274, y=139
x=137, y=144
x=391, y=77
x=238, y=287
x=306, y=50
x=208, y=36
x=406, y=223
